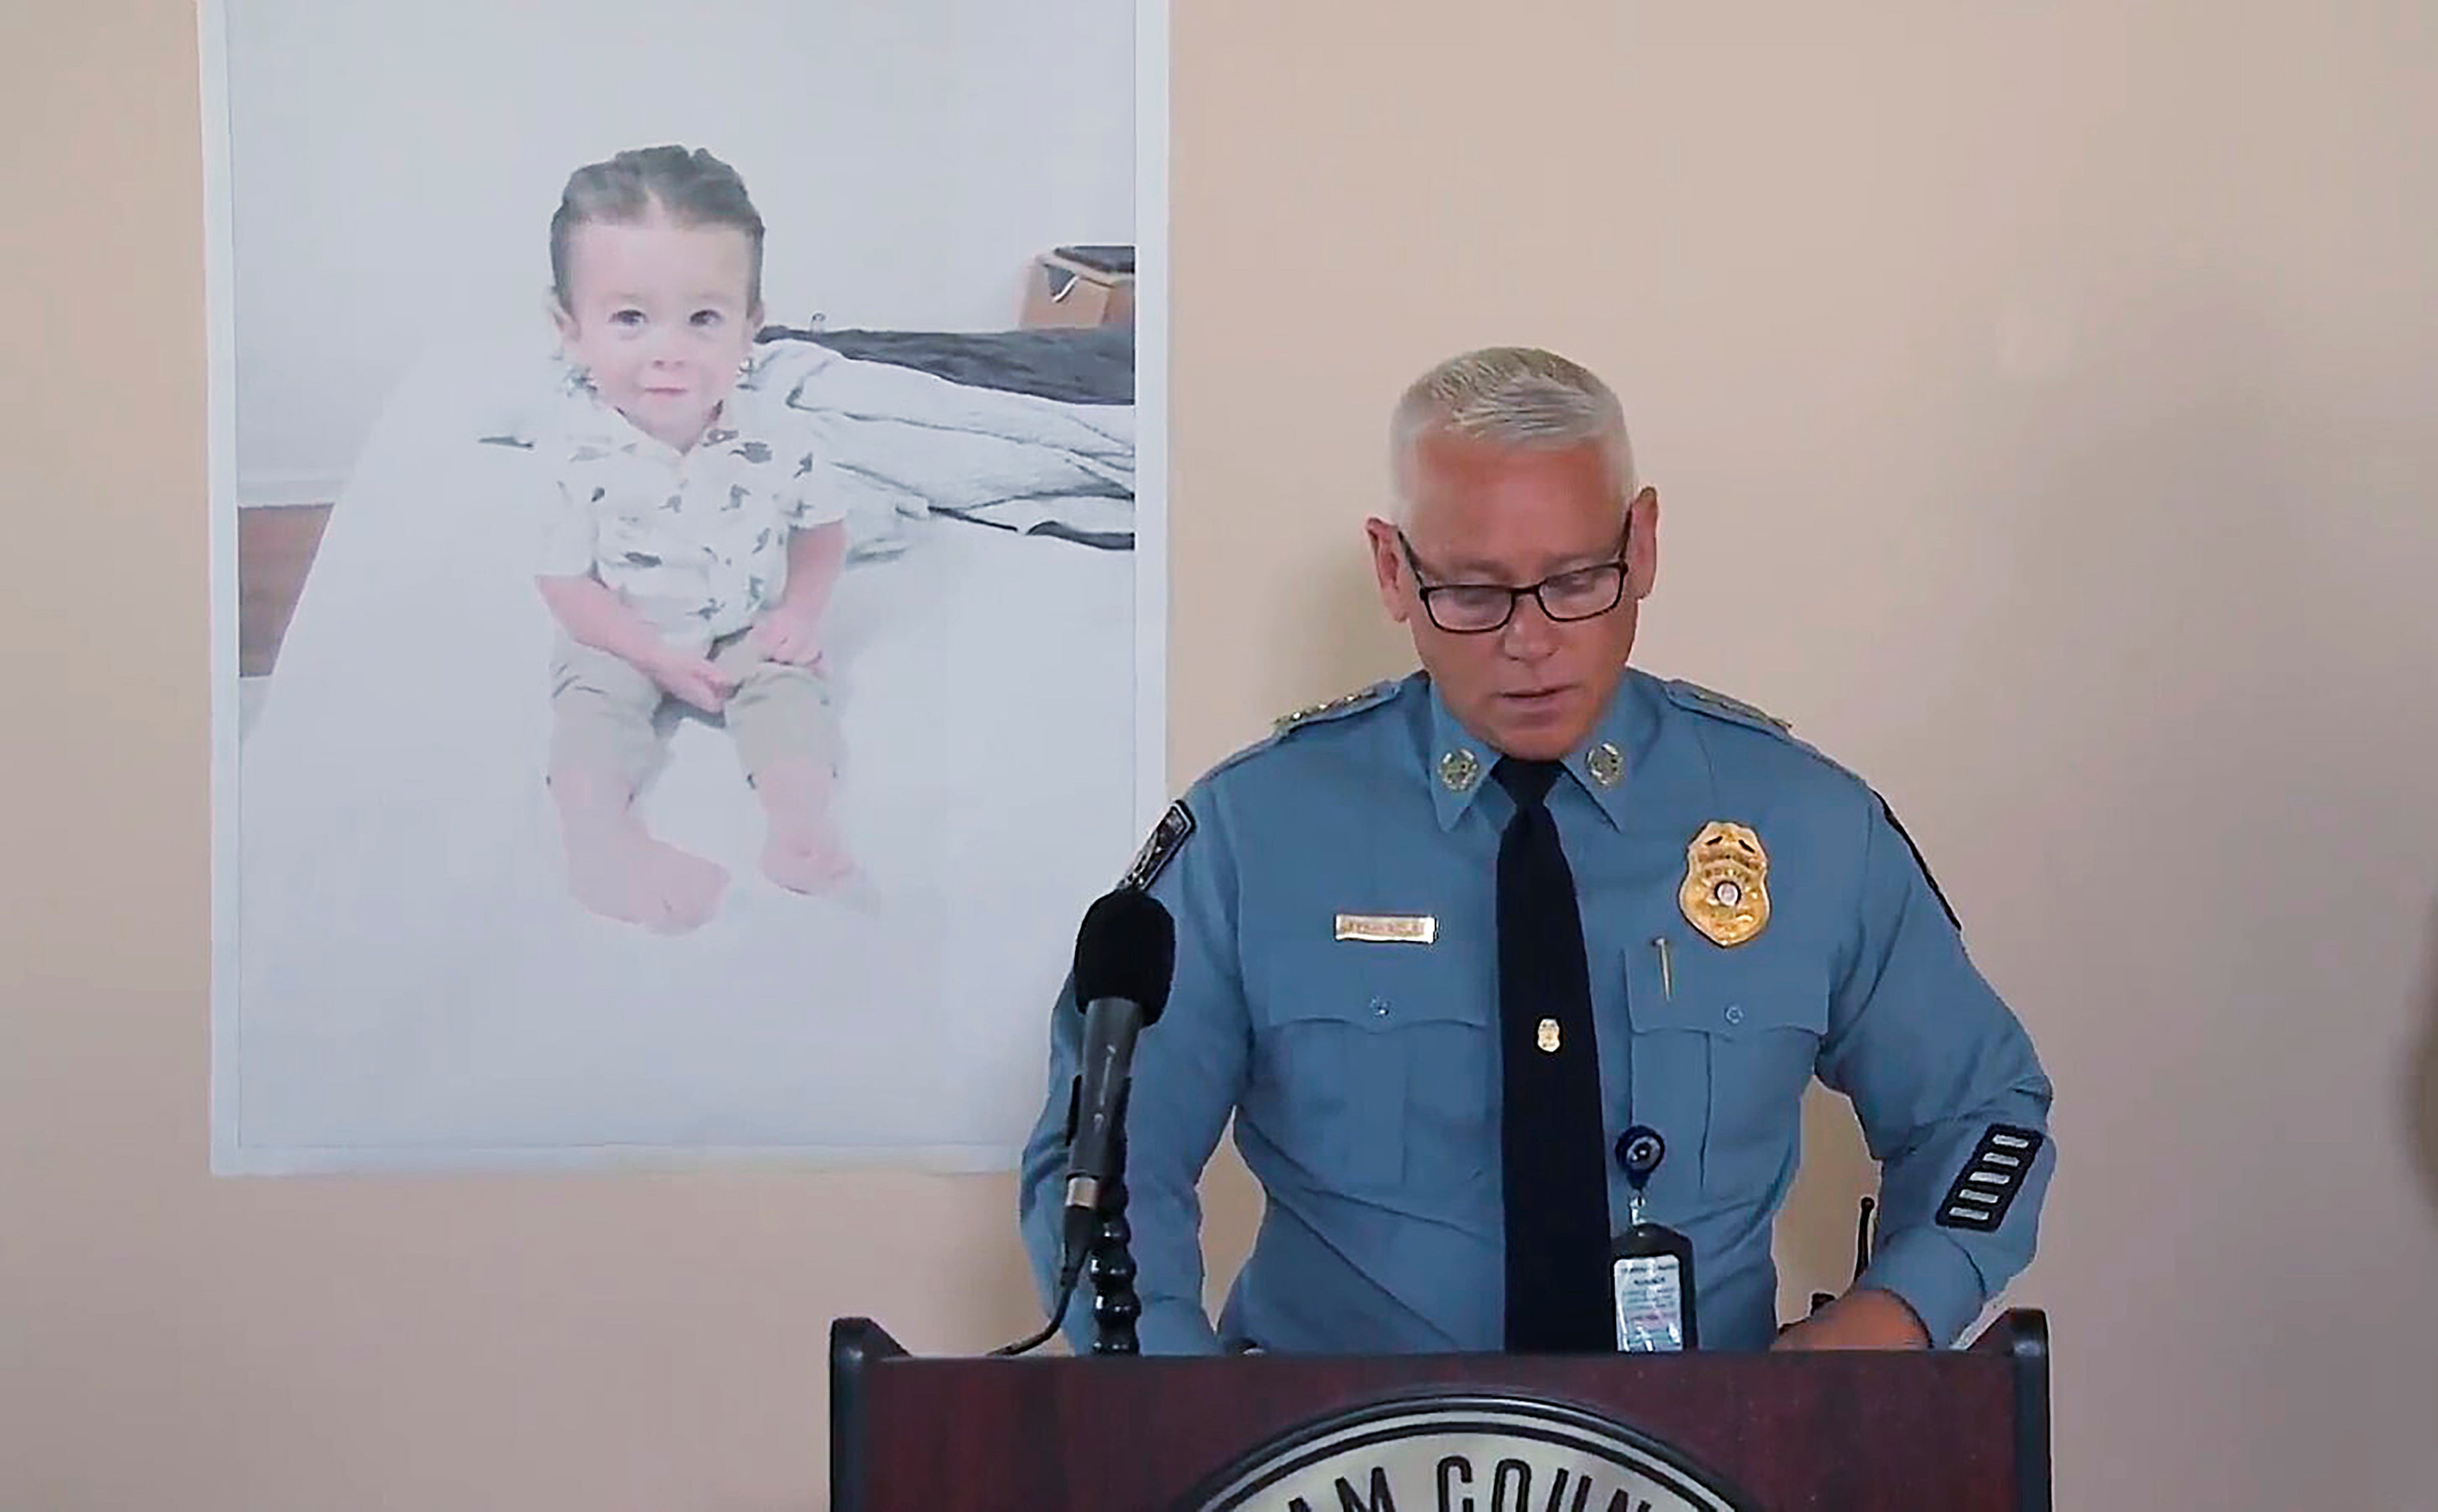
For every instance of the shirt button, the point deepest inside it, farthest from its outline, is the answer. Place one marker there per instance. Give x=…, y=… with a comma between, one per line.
x=1380, y=1006
x=1735, y=1014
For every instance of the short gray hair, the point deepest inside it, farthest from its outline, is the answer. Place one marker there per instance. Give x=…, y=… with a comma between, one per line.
x=1511, y=396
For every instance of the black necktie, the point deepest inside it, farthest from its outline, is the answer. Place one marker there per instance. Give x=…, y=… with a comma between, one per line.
x=1554, y=1153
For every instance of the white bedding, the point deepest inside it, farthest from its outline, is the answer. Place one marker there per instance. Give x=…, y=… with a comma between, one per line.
x=416, y=986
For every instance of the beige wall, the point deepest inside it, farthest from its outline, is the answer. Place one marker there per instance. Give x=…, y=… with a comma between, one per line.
x=2040, y=398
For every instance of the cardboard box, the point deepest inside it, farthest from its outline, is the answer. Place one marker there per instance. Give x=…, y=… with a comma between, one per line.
x=1080, y=286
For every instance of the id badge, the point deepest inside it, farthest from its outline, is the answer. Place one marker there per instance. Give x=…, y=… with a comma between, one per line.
x=1650, y=1265
x=1653, y=1287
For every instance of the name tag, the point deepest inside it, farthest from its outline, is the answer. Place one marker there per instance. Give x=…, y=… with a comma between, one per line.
x=1388, y=928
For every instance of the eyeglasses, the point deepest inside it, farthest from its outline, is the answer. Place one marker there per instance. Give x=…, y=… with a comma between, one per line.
x=1476, y=608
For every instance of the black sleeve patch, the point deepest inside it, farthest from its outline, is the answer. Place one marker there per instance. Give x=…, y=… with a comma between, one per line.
x=1167, y=837
x=1895, y=824
x=1990, y=1180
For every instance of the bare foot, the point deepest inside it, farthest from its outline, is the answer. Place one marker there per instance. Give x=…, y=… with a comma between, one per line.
x=805, y=853
x=637, y=880
x=619, y=871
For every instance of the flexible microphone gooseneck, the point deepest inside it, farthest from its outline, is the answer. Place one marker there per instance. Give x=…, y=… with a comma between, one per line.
x=1125, y=957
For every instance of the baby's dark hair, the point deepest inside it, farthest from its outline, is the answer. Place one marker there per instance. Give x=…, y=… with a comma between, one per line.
x=690, y=186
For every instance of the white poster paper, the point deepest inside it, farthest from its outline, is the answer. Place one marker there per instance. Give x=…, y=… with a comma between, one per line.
x=454, y=476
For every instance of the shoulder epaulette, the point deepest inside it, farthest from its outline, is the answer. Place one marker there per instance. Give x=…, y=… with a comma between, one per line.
x=1719, y=706
x=1287, y=725
x=1710, y=701
x=1336, y=707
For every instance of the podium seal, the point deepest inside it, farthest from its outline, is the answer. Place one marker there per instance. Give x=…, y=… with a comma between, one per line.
x=1466, y=1448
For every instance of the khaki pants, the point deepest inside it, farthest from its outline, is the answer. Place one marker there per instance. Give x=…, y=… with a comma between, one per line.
x=605, y=713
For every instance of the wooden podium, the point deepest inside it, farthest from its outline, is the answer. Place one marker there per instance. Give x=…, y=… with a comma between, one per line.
x=1949, y=1430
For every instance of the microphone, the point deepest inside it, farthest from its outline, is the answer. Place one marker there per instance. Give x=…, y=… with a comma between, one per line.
x=1125, y=957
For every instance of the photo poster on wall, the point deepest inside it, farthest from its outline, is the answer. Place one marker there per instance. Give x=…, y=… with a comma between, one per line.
x=688, y=571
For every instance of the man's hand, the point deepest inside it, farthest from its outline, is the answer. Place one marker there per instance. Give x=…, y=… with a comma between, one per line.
x=791, y=633
x=1865, y=1318
x=696, y=680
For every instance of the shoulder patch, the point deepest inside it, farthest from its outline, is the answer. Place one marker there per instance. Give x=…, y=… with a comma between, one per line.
x=1167, y=837
x=1335, y=708
x=1710, y=701
x=1890, y=813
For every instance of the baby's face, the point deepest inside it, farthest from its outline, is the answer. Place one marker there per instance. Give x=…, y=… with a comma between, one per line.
x=658, y=314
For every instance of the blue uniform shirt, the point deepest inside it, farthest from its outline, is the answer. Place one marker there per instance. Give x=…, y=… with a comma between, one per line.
x=1363, y=1073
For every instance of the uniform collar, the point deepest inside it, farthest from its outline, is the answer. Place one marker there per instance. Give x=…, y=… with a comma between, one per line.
x=1603, y=765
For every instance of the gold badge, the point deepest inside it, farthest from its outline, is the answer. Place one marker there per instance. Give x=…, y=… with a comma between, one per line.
x=1548, y=1038
x=1388, y=928
x=1459, y=769
x=1726, y=893
x=1607, y=764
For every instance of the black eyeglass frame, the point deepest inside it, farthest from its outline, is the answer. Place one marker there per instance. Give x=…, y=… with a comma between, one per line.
x=1426, y=590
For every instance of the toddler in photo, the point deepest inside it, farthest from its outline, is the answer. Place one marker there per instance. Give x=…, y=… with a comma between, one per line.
x=692, y=541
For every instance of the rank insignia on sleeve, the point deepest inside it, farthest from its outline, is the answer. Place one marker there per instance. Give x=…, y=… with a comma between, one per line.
x=1726, y=891
x=1988, y=1183
x=1167, y=837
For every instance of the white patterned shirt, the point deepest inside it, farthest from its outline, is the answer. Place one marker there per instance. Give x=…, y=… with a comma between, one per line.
x=695, y=542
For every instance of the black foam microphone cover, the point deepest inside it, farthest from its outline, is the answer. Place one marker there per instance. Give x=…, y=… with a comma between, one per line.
x=1127, y=949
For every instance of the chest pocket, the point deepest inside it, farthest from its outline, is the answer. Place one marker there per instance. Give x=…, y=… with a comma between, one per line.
x=1724, y=1043
x=1377, y=1065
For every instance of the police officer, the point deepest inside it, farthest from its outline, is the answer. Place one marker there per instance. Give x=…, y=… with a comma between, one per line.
x=1441, y=941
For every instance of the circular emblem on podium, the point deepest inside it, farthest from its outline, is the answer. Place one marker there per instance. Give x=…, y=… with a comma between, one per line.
x=1467, y=1450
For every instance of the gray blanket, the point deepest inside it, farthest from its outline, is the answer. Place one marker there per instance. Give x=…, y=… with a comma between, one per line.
x=1078, y=365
